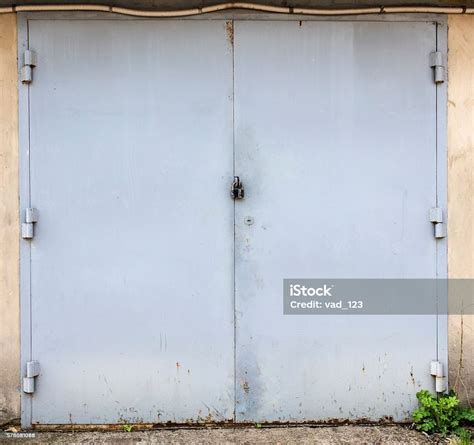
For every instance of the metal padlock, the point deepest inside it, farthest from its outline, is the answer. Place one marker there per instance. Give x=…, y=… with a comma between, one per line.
x=237, y=189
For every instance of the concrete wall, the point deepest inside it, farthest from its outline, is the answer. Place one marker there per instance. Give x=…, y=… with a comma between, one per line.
x=461, y=195
x=460, y=208
x=9, y=224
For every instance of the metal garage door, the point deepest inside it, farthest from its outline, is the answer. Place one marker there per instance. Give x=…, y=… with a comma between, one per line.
x=131, y=263
x=146, y=286
x=335, y=127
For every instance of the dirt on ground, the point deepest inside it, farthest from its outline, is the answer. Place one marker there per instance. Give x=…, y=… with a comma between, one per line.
x=393, y=434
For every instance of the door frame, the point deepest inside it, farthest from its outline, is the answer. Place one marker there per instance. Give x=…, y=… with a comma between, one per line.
x=23, y=18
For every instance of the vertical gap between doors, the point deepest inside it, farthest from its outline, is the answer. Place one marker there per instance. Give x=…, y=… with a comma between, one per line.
x=233, y=203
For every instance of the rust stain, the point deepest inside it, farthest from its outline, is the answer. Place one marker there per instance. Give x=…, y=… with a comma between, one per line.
x=177, y=365
x=229, y=27
x=201, y=423
x=412, y=377
x=246, y=387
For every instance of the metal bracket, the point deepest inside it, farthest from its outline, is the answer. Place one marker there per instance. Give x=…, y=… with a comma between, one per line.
x=27, y=228
x=32, y=371
x=437, y=63
x=437, y=371
x=436, y=217
x=29, y=61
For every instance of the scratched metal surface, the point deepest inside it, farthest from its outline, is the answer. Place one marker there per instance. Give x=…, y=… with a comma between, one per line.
x=335, y=127
x=132, y=264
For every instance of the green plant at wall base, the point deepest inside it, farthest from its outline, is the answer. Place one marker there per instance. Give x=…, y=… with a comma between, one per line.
x=463, y=437
x=441, y=415
x=128, y=428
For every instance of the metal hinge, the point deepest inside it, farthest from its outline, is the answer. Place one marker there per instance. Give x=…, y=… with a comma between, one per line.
x=27, y=228
x=437, y=371
x=32, y=371
x=29, y=61
x=437, y=63
x=436, y=217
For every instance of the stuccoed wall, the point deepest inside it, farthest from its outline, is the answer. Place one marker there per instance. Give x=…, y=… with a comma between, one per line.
x=461, y=195
x=9, y=224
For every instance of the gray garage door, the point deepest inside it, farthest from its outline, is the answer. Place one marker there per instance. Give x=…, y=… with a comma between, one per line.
x=149, y=294
x=132, y=264
x=335, y=127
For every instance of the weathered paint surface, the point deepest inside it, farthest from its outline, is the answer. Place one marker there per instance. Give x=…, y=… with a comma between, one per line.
x=337, y=148
x=461, y=195
x=9, y=254
x=95, y=290
x=131, y=264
